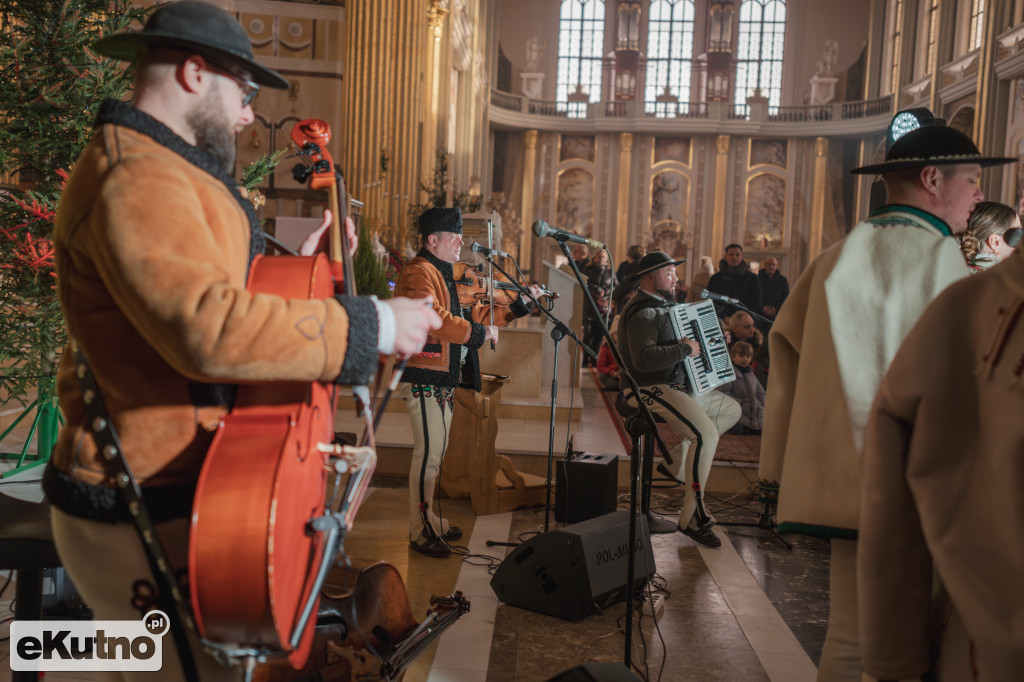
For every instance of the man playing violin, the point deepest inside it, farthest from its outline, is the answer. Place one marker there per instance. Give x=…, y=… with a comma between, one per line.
x=449, y=360
x=153, y=245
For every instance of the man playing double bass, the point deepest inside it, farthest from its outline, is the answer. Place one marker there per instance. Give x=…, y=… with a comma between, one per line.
x=448, y=360
x=153, y=245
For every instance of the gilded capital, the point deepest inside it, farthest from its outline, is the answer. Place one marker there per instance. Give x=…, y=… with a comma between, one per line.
x=626, y=142
x=435, y=18
x=821, y=146
x=530, y=137
x=723, y=144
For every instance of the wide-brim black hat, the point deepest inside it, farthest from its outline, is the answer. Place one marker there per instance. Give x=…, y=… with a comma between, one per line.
x=194, y=27
x=655, y=260
x=931, y=145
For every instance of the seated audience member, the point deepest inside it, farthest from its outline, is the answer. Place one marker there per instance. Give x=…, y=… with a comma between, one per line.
x=942, y=499
x=628, y=268
x=746, y=390
x=598, y=274
x=741, y=325
x=607, y=368
x=700, y=279
x=774, y=288
x=735, y=280
x=681, y=292
x=761, y=364
x=993, y=231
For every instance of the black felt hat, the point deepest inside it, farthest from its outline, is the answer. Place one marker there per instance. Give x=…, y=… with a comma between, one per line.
x=440, y=220
x=193, y=27
x=931, y=145
x=655, y=260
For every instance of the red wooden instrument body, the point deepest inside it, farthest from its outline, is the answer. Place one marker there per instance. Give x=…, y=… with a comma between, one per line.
x=251, y=553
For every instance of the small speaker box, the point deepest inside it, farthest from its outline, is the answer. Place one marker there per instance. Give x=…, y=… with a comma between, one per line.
x=585, y=486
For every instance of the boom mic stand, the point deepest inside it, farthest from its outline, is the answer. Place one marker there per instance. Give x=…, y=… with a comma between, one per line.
x=558, y=332
x=766, y=521
x=641, y=426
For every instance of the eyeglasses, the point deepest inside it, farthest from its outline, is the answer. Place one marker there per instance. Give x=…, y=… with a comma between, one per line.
x=249, y=89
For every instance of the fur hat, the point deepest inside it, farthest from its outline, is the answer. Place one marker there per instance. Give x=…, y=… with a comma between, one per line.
x=440, y=220
x=195, y=27
x=931, y=145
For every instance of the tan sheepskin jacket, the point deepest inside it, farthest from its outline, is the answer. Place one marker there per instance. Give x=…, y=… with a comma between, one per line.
x=441, y=360
x=152, y=254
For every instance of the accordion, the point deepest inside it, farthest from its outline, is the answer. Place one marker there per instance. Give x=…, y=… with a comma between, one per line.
x=712, y=367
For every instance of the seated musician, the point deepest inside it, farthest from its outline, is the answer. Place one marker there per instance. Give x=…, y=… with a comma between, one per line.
x=153, y=244
x=653, y=356
x=448, y=360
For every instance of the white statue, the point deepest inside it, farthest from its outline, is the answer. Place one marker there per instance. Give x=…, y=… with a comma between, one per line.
x=534, y=51
x=828, y=58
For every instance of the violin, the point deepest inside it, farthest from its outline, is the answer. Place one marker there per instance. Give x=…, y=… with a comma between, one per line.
x=475, y=288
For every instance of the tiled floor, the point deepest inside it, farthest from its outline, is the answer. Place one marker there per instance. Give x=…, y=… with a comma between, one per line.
x=731, y=613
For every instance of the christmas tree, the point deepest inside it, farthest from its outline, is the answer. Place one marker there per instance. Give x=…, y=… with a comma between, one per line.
x=51, y=85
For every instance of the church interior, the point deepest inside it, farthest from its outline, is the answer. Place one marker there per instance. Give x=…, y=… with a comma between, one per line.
x=678, y=125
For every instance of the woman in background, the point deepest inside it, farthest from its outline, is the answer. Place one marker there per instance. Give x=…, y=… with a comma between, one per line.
x=705, y=269
x=992, y=233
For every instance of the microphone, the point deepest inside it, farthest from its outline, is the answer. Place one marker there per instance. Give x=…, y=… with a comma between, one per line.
x=476, y=248
x=718, y=297
x=542, y=229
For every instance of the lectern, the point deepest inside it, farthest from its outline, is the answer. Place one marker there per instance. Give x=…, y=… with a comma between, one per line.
x=472, y=466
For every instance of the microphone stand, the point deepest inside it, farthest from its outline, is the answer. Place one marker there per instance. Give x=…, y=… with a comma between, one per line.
x=767, y=519
x=558, y=332
x=736, y=303
x=641, y=426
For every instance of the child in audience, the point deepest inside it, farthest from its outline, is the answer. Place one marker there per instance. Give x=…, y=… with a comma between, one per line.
x=747, y=390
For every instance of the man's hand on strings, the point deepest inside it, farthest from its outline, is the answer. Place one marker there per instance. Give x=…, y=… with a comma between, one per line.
x=491, y=334
x=317, y=240
x=414, y=318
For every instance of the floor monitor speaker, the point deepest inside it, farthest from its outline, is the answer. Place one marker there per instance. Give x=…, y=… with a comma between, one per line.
x=586, y=485
x=574, y=571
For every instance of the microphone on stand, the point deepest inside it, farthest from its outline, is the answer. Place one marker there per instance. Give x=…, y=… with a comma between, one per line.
x=719, y=297
x=476, y=248
x=542, y=229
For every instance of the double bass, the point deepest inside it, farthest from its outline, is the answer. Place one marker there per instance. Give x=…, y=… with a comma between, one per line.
x=264, y=534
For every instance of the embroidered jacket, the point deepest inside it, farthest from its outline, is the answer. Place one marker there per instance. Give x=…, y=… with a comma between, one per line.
x=440, y=363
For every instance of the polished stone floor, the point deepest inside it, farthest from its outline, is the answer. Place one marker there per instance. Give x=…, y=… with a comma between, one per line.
x=751, y=610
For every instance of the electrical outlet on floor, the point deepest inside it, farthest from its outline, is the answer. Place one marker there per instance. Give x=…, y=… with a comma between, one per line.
x=653, y=605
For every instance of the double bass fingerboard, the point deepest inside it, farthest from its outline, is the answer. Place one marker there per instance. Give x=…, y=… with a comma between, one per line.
x=713, y=366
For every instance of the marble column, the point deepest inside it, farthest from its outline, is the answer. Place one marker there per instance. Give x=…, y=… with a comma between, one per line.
x=818, y=197
x=529, y=171
x=721, y=194
x=622, y=209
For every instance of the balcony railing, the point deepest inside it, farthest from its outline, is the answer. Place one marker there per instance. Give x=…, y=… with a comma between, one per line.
x=709, y=111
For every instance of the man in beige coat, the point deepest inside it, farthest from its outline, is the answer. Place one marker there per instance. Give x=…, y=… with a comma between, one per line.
x=943, y=489
x=834, y=338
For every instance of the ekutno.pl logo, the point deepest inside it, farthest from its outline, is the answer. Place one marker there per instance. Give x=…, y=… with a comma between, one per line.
x=89, y=645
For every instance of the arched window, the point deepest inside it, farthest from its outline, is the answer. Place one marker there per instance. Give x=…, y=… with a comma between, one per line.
x=896, y=43
x=580, y=44
x=669, y=53
x=977, y=24
x=762, y=32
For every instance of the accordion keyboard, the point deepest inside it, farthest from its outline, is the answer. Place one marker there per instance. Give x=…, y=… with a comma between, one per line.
x=713, y=366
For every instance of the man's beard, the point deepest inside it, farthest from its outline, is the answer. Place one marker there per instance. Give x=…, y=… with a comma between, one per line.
x=213, y=134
